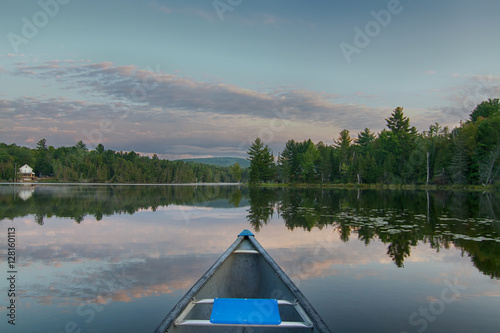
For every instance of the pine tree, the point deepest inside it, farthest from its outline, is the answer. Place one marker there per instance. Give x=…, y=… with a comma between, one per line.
x=344, y=150
x=486, y=109
x=261, y=162
x=402, y=138
x=43, y=165
x=459, y=164
x=343, y=145
x=309, y=163
x=287, y=162
x=365, y=140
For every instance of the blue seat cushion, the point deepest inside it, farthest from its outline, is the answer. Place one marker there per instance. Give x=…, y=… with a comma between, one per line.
x=245, y=311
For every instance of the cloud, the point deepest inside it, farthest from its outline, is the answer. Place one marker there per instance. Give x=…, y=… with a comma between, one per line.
x=186, y=10
x=165, y=9
x=12, y=55
x=210, y=14
x=229, y=12
x=466, y=96
x=170, y=92
x=259, y=19
x=118, y=282
x=157, y=112
x=171, y=260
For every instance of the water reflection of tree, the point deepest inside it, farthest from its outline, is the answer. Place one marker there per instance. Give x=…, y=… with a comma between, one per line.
x=77, y=202
x=400, y=219
x=308, y=208
x=485, y=256
x=297, y=209
x=344, y=231
x=399, y=247
x=39, y=219
x=366, y=233
x=235, y=198
x=261, y=209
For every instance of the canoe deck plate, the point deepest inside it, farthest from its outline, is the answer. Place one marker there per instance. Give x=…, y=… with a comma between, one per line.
x=245, y=311
x=246, y=232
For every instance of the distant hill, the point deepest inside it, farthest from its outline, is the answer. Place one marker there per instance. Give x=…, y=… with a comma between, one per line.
x=220, y=161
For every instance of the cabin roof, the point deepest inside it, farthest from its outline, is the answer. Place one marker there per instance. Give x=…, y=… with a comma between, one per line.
x=26, y=169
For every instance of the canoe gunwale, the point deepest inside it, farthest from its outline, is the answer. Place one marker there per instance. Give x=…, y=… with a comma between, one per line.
x=186, y=299
x=318, y=323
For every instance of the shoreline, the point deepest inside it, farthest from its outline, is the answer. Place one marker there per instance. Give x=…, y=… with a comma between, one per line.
x=471, y=188
x=121, y=184
x=414, y=187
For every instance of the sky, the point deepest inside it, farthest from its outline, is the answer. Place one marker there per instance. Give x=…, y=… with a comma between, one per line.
x=184, y=79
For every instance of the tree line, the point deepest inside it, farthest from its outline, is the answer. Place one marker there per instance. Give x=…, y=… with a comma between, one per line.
x=79, y=164
x=469, y=154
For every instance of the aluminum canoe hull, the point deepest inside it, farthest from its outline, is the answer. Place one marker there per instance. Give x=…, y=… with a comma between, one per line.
x=245, y=270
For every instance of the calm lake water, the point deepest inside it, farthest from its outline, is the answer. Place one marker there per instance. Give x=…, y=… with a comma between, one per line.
x=117, y=258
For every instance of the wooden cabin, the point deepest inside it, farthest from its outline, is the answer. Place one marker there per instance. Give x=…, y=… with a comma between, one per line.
x=26, y=174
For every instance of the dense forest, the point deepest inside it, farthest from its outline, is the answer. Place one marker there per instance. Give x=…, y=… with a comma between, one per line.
x=78, y=164
x=467, y=155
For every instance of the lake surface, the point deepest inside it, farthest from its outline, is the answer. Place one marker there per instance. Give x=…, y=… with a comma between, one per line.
x=116, y=258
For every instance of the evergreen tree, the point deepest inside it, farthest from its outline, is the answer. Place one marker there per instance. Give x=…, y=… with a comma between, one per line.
x=43, y=165
x=344, y=150
x=365, y=141
x=235, y=171
x=401, y=141
x=310, y=161
x=261, y=162
x=486, y=109
x=100, y=149
x=324, y=166
x=343, y=145
x=81, y=146
x=488, y=147
x=288, y=163
x=459, y=165
x=401, y=134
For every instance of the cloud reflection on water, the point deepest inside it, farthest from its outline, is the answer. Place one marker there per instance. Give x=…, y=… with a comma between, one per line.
x=124, y=259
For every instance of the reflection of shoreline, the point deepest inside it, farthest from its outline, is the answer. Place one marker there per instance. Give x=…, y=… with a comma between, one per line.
x=332, y=244
x=76, y=202
x=400, y=220
x=125, y=184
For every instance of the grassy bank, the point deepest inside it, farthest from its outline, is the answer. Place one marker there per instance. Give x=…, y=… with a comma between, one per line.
x=475, y=188
x=492, y=188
